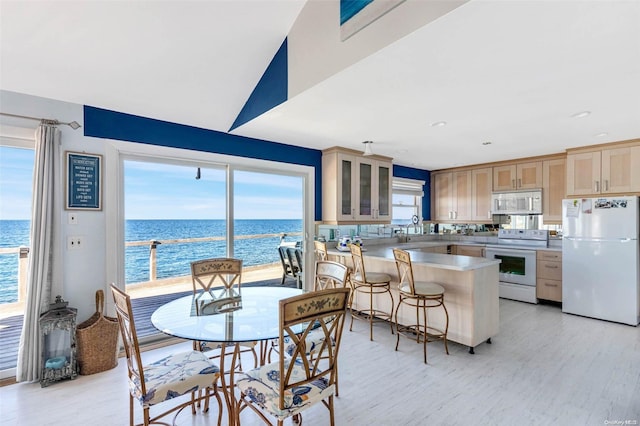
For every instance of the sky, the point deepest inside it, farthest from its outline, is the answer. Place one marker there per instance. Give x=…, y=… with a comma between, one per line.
x=148, y=186
x=16, y=174
x=162, y=191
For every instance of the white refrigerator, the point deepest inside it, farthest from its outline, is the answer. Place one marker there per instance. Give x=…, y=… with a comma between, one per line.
x=600, y=263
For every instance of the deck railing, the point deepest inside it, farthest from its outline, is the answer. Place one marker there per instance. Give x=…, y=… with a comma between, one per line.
x=23, y=258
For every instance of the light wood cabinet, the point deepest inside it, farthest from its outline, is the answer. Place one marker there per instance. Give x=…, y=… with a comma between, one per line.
x=553, y=190
x=473, y=251
x=549, y=275
x=452, y=196
x=606, y=171
x=463, y=196
x=517, y=176
x=481, y=188
x=355, y=188
x=373, y=192
x=436, y=249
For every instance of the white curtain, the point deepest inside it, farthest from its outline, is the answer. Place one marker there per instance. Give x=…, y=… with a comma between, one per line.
x=40, y=264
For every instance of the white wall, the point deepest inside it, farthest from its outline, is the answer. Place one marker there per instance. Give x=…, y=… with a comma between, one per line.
x=316, y=51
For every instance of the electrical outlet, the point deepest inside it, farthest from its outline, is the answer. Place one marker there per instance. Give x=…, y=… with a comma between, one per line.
x=74, y=243
x=73, y=219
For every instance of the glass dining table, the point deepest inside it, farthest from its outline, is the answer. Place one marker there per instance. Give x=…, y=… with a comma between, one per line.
x=254, y=319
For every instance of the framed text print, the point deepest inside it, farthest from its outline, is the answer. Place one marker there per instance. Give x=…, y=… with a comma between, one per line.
x=84, y=181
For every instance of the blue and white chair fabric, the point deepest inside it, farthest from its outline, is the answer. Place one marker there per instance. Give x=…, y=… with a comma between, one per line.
x=179, y=374
x=299, y=380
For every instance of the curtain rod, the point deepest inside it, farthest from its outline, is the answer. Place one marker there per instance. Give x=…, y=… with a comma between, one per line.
x=74, y=124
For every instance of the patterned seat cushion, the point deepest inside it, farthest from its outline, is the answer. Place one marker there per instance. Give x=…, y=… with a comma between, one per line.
x=173, y=376
x=262, y=385
x=313, y=342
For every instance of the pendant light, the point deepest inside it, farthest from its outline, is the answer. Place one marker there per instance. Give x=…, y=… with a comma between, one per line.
x=367, y=148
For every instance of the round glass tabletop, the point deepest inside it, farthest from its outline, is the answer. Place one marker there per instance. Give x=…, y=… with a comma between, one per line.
x=255, y=318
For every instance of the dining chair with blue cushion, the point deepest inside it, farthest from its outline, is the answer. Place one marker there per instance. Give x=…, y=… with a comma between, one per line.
x=173, y=376
x=292, y=384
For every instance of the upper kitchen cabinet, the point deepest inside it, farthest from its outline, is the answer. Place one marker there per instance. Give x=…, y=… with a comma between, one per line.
x=553, y=190
x=481, y=187
x=517, y=176
x=462, y=196
x=611, y=170
x=355, y=188
x=452, y=196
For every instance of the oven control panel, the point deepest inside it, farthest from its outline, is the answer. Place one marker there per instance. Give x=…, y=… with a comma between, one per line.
x=524, y=234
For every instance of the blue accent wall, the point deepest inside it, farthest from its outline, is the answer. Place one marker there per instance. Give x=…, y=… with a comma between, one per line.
x=418, y=174
x=102, y=123
x=271, y=90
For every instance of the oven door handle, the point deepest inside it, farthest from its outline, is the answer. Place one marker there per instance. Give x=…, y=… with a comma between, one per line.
x=491, y=251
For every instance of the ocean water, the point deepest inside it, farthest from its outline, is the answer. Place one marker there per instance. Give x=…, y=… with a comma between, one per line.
x=171, y=259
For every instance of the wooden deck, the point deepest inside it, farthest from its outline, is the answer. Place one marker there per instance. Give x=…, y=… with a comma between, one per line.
x=143, y=307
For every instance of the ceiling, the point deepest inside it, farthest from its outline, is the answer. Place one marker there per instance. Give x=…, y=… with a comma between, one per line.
x=510, y=73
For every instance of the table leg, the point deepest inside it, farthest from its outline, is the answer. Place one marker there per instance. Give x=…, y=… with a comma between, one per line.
x=228, y=386
x=265, y=346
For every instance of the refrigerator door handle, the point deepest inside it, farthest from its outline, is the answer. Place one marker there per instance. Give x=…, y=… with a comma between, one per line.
x=600, y=240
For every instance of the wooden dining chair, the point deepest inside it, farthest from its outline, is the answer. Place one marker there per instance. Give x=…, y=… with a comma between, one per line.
x=290, y=385
x=170, y=377
x=328, y=275
x=420, y=295
x=320, y=250
x=218, y=277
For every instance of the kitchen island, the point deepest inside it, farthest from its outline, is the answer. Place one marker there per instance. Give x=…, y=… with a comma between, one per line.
x=470, y=283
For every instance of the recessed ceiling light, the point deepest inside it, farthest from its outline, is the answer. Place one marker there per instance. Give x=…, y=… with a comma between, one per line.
x=402, y=151
x=581, y=114
x=602, y=135
x=439, y=124
x=486, y=143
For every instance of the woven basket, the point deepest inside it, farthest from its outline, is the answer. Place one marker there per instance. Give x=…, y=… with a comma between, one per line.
x=97, y=340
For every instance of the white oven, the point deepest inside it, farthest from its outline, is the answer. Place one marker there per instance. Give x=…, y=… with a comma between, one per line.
x=517, y=255
x=516, y=266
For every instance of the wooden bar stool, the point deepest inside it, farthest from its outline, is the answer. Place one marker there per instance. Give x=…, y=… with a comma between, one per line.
x=422, y=296
x=369, y=283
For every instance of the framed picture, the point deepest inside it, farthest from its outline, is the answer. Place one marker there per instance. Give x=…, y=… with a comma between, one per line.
x=84, y=181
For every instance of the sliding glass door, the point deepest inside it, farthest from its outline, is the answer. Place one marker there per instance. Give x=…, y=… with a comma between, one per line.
x=177, y=212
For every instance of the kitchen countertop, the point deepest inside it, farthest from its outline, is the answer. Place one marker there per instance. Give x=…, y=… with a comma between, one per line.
x=436, y=260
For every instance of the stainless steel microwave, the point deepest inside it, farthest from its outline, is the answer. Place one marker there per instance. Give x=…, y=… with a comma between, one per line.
x=521, y=202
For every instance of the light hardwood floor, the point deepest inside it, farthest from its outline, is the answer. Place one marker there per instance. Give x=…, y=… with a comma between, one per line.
x=543, y=368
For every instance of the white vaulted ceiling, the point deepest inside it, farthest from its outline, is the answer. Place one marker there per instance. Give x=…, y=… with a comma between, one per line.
x=509, y=72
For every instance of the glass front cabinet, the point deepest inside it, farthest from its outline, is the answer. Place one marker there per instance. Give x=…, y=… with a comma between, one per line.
x=355, y=188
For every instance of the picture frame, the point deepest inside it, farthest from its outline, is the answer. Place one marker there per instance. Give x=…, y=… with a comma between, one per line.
x=83, y=181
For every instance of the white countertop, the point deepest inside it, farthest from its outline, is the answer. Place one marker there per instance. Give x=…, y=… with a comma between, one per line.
x=435, y=260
